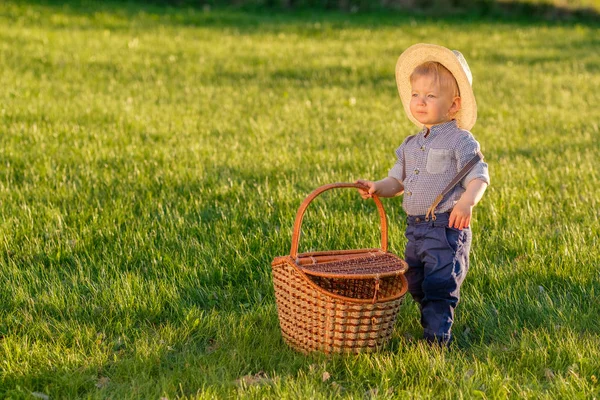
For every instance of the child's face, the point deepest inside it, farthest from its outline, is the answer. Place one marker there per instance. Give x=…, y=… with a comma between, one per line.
x=430, y=104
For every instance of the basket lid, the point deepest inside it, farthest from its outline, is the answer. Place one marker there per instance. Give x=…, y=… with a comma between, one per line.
x=370, y=265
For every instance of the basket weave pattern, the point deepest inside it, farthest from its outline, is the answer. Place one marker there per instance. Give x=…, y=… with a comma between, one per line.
x=385, y=265
x=311, y=319
x=338, y=301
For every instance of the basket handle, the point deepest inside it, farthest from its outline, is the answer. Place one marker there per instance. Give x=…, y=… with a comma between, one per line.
x=318, y=191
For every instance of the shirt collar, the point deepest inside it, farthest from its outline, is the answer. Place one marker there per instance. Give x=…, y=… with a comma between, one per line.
x=440, y=127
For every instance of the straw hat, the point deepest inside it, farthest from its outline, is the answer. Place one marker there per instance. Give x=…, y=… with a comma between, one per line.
x=454, y=61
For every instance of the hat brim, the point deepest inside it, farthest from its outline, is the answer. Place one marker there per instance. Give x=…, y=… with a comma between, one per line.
x=421, y=53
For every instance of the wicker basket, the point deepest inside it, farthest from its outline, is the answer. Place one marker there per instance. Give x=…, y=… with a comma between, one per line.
x=338, y=301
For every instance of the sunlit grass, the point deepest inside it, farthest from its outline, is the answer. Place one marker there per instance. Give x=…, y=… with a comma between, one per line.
x=153, y=161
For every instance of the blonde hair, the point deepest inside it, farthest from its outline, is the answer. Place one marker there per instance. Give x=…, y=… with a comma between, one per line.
x=442, y=76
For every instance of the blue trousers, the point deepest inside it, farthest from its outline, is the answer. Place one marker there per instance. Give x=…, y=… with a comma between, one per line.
x=438, y=261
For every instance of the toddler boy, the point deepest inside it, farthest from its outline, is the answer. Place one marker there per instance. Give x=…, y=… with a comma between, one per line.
x=435, y=88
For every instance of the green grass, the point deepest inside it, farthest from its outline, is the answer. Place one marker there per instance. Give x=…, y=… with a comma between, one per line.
x=152, y=161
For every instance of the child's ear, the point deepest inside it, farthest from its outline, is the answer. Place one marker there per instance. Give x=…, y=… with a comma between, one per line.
x=455, y=106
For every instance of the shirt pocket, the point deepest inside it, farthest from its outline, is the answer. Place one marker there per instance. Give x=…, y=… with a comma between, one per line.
x=439, y=160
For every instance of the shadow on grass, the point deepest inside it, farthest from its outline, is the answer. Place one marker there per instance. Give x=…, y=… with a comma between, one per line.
x=217, y=276
x=230, y=342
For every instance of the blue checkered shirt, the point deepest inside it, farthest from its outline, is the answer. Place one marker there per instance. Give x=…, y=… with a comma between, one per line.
x=425, y=166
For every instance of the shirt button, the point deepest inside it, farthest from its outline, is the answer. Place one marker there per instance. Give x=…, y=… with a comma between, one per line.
x=408, y=193
x=422, y=148
x=417, y=171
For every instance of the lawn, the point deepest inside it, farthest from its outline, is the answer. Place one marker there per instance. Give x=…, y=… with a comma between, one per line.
x=152, y=161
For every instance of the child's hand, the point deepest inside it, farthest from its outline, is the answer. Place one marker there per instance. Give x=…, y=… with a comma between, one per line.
x=366, y=194
x=460, y=217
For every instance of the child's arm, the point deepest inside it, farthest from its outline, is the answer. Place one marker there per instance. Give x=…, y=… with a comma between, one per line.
x=387, y=187
x=460, y=217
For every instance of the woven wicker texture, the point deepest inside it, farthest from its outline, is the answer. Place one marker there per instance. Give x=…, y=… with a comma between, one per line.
x=311, y=318
x=338, y=301
x=372, y=265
